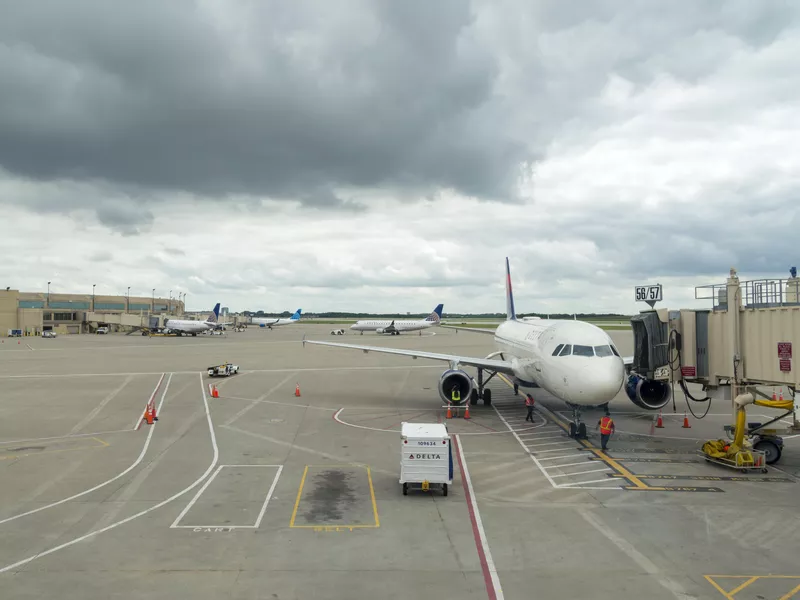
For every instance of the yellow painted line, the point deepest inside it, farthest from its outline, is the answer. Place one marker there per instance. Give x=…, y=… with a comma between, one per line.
x=558, y=420
x=718, y=588
x=299, y=495
x=790, y=594
x=372, y=494
x=320, y=527
x=742, y=586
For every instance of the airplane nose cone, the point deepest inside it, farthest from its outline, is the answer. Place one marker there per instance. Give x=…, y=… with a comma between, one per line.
x=601, y=383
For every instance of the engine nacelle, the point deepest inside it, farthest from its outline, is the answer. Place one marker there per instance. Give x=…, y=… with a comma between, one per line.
x=647, y=393
x=455, y=379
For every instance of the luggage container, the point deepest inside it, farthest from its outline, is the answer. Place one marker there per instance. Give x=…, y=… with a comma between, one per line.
x=426, y=457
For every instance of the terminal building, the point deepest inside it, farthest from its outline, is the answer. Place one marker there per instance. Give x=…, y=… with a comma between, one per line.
x=31, y=313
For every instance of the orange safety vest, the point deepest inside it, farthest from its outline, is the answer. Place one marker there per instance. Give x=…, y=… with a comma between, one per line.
x=605, y=425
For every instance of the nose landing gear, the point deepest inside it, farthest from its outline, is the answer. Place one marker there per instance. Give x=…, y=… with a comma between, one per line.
x=577, y=428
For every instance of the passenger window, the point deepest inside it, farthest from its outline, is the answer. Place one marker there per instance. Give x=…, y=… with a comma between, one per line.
x=614, y=350
x=582, y=351
x=558, y=349
x=603, y=351
x=566, y=351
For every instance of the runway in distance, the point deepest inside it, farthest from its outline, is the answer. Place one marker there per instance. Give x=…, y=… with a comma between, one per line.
x=272, y=322
x=575, y=361
x=397, y=326
x=181, y=326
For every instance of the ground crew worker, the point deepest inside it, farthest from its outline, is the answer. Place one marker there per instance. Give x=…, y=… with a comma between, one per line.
x=529, y=402
x=606, y=425
x=455, y=395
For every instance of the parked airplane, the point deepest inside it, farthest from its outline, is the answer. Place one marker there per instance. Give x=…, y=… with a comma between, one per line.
x=575, y=361
x=181, y=326
x=271, y=322
x=396, y=326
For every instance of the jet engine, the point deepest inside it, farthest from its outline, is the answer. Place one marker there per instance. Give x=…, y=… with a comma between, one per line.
x=647, y=393
x=455, y=379
x=387, y=331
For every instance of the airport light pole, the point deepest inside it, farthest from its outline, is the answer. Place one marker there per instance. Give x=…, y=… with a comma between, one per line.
x=48, y=294
x=94, y=285
x=170, y=302
x=128, y=304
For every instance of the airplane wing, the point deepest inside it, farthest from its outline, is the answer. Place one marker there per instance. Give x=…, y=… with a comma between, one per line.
x=501, y=366
x=472, y=329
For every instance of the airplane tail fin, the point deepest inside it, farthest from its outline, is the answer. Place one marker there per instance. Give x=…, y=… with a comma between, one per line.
x=214, y=316
x=511, y=314
x=296, y=315
x=436, y=315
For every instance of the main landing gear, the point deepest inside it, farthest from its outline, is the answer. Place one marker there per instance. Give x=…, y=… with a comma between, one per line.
x=482, y=393
x=577, y=428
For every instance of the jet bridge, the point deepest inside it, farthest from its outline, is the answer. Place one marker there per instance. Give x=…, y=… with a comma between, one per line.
x=745, y=341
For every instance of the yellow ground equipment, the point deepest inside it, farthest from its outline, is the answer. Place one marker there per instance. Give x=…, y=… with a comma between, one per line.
x=741, y=453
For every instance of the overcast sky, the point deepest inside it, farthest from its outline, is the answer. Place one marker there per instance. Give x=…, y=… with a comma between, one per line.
x=387, y=156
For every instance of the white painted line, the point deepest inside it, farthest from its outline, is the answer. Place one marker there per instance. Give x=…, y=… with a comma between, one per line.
x=535, y=437
x=552, y=450
x=551, y=444
x=584, y=463
x=196, y=496
x=581, y=472
x=640, y=559
x=113, y=479
x=29, y=348
x=573, y=455
x=141, y=513
x=269, y=497
x=563, y=485
x=91, y=415
x=141, y=414
x=495, y=580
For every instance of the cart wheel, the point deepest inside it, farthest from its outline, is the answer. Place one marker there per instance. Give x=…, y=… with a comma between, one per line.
x=772, y=453
x=444, y=490
x=405, y=489
x=765, y=470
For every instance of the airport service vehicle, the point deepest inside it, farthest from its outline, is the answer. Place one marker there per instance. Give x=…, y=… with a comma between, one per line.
x=337, y=331
x=426, y=456
x=397, y=326
x=181, y=326
x=575, y=361
x=223, y=370
x=270, y=322
x=49, y=334
x=102, y=330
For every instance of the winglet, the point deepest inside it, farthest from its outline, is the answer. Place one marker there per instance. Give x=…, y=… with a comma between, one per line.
x=511, y=314
x=304, y=340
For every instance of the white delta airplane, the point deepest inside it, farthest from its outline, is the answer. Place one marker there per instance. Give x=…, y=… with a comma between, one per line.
x=272, y=322
x=575, y=361
x=181, y=326
x=397, y=326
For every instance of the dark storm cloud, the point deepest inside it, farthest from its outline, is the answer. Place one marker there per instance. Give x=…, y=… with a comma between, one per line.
x=266, y=98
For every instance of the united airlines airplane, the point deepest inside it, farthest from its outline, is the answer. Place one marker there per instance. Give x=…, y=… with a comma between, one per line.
x=271, y=322
x=397, y=326
x=181, y=326
x=575, y=361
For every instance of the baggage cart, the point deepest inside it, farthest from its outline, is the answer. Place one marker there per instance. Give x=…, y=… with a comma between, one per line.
x=426, y=458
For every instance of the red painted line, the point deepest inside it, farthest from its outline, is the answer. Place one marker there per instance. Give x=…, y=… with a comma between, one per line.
x=487, y=576
x=150, y=401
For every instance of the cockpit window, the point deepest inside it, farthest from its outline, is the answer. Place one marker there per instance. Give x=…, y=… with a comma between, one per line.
x=558, y=349
x=614, y=350
x=603, y=351
x=566, y=351
x=582, y=351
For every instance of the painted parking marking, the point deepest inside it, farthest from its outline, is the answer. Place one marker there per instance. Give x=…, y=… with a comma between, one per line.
x=715, y=478
x=766, y=586
x=228, y=491
x=335, y=498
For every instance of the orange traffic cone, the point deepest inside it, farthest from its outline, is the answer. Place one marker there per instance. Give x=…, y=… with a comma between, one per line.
x=660, y=421
x=449, y=412
x=466, y=413
x=686, y=422
x=214, y=392
x=780, y=395
x=148, y=416
x=297, y=390
x=774, y=395
x=153, y=411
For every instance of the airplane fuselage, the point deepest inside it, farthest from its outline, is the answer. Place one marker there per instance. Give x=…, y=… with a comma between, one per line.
x=399, y=325
x=589, y=373
x=188, y=326
x=274, y=322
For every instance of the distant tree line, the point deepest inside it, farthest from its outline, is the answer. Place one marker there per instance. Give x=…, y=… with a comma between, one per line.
x=361, y=315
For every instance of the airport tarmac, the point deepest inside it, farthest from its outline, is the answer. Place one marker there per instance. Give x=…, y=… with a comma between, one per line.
x=262, y=494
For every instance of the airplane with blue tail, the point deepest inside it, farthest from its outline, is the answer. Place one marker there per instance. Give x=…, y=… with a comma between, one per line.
x=273, y=322
x=181, y=326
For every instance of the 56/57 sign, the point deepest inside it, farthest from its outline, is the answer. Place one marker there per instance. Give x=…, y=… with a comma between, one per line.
x=648, y=293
